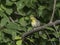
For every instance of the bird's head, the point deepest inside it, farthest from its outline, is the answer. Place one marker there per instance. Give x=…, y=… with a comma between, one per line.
x=32, y=17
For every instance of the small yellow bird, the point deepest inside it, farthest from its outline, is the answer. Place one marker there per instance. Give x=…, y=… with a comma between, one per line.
x=34, y=21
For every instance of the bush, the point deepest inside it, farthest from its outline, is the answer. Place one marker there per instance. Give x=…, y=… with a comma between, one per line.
x=15, y=21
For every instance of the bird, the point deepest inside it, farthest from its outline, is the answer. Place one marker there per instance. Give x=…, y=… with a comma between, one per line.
x=34, y=22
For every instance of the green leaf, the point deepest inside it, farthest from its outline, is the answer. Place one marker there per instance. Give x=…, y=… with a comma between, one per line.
x=36, y=35
x=56, y=27
x=29, y=28
x=44, y=36
x=1, y=36
x=30, y=3
x=23, y=28
x=27, y=18
x=31, y=40
x=2, y=14
x=17, y=37
x=11, y=32
x=52, y=39
x=50, y=28
x=14, y=26
x=6, y=39
x=20, y=5
x=58, y=5
x=21, y=12
x=14, y=33
x=8, y=43
x=9, y=3
x=8, y=11
x=22, y=22
x=3, y=7
x=1, y=10
x=19, y=42
x=40, y=10
x=57, y=34
x=3, y=22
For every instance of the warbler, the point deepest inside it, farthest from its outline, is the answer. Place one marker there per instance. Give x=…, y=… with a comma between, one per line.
x=34, y=22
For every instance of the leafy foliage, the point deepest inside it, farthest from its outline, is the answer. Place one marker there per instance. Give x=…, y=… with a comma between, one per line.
x=14, y=21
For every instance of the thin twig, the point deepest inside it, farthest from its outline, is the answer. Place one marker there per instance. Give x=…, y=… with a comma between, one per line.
x=11, y=19
x=53, y=11
x=49, y=37
x=54, y=43
x=51, y=20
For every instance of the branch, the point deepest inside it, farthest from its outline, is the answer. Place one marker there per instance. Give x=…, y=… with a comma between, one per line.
x=53, y=11
x=11, y=19
x=39, y=28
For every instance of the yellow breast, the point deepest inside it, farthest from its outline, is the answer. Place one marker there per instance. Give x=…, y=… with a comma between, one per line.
x=33, y=23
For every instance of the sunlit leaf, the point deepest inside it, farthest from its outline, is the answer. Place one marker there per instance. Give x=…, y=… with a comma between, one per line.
x=19, y=42
x=17, y=37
